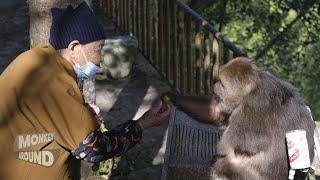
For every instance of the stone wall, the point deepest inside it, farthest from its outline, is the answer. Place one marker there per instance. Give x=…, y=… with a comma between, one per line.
x=14, y=34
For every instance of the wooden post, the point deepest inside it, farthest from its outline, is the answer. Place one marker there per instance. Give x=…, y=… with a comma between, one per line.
x=225, y=55
x=207, y=64
x=182, y=54
x=118, y=13
x=111, y=8
x=133, y=16
x=143, y=28
x=160, y=31
x=198, y=59
x=138, y=21
x=167, y=38
x=148, y=19
x=129, y=15
x=125, y=15
x=174, y=43
x=155, y=47
x=217, y=50
x=114, y=14
x=189, y=53
x=104, y=6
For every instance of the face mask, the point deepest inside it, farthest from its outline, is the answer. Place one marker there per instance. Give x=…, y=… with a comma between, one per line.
x=89, y=71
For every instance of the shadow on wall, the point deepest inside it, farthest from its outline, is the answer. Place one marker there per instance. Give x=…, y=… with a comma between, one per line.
x=14, y=34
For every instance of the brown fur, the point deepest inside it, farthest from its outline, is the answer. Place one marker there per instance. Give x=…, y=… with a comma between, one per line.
x=258, y=109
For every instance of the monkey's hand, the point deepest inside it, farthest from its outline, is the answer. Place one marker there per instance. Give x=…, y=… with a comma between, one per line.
x=203, y=109
x=171, y=96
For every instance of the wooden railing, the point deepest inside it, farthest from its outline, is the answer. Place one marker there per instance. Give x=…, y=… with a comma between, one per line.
x=181, y=45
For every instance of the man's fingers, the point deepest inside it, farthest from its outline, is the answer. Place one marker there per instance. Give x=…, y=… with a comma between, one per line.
x=90, y=138
x=80, y=149
x=81, y=153
x=86, y=146
x=94, y=157
x=94, y=108
x=170, y=94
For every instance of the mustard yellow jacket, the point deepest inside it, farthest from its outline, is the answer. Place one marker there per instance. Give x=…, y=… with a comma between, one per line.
x=39, y=95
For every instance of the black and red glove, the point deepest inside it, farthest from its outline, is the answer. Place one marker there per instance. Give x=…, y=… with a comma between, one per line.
x=99, y=146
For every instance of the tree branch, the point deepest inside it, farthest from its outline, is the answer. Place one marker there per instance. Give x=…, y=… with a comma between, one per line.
x=281, y=34
x=222, y=15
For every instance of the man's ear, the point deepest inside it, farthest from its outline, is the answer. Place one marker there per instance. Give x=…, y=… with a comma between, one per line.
x=72, y=44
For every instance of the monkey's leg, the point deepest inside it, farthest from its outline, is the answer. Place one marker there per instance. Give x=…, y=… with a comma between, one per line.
x=226, y=170
x=202, y=109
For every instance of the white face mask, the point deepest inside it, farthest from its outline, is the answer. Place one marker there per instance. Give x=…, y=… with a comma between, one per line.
x=89, y=71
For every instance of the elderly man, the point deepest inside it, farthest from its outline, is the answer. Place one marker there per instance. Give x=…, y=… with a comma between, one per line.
x=46, y=127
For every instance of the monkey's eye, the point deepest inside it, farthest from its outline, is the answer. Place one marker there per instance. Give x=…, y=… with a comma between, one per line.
x=218, y=83
x=215, y=80
x=216, y=97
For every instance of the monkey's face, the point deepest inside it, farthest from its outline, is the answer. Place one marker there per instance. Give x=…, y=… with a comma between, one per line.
x=219, y=87
x=236, y=79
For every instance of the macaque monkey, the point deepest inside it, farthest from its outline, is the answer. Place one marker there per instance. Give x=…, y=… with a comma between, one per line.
x=258, y=108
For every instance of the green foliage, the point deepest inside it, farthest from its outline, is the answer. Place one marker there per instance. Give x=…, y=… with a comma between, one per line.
x=285, y=35
x=103, y=168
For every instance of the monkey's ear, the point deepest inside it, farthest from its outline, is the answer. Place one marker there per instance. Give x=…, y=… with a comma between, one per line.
x=254, y=64
x=252, y=61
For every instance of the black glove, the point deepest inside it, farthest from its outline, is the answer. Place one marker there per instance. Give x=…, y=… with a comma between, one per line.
x=95, y=148
x=100, y=146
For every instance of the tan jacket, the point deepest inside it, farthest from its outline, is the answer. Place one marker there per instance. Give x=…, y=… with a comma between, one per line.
x=39, y=94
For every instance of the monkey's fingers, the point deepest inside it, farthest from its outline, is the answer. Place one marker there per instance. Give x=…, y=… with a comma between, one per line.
x=156, y=108
x=169, y=94
x=165, y=111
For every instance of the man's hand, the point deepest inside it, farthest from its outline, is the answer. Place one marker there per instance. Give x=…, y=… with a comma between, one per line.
x=94, y=148
x=99, y=146
x=155, y=116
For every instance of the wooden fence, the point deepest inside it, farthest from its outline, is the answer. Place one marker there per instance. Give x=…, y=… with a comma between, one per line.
x=180, y=44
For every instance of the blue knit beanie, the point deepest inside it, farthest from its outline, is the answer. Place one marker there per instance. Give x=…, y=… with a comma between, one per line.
x=70, y=24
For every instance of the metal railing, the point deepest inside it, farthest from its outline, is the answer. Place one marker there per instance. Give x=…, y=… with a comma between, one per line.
x=180, y=44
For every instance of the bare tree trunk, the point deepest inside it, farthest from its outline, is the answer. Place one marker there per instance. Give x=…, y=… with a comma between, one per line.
x=222, y=14
x=40, y=18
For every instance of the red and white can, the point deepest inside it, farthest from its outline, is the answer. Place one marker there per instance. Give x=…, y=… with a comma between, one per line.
x=298, y=150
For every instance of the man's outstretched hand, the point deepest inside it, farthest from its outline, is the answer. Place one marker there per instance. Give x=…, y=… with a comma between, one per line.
x=99, y=146
x=95, y=148
x=155, y=116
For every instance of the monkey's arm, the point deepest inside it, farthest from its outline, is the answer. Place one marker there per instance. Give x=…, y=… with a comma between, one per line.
x=202, y=109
